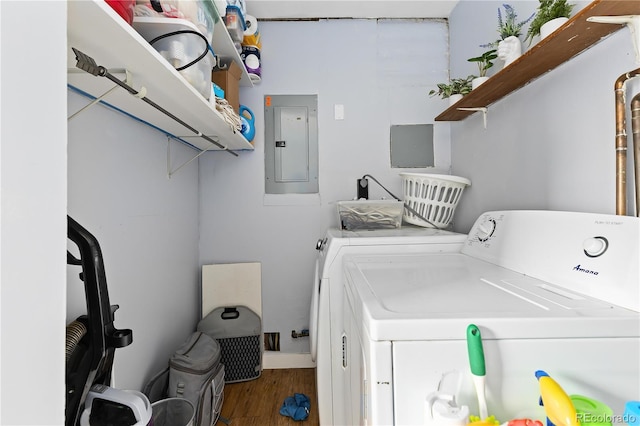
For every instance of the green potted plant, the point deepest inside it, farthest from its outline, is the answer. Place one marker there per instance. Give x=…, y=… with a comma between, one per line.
x=509, y=46
x=551, y=14
x=484, y=62
x=509, y=25
x=454, y=89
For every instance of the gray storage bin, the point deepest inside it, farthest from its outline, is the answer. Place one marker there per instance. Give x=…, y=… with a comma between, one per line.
x=173, y=412
x=238, y=330
x=195, y=374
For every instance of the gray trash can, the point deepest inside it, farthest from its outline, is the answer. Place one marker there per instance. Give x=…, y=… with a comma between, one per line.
x=173, y=412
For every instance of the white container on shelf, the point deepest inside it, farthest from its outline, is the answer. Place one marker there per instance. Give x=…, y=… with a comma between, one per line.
x=180, y=49
x=201, y=13
x=234, y=20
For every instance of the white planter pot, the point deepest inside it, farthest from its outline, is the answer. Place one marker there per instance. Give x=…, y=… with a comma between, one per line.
x=550, y=26
x=509, y=49
x=454, y=98
x=478, y=81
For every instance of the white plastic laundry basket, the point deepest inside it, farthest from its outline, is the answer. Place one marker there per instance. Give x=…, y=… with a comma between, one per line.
x=434, y=197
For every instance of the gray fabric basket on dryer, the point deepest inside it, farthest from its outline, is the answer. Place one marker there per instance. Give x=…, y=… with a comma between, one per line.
x=238, y=330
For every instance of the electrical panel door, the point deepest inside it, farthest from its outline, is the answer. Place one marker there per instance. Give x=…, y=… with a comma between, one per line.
x=291, y=144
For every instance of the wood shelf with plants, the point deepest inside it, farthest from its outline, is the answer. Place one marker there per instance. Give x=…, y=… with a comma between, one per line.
x=571, y=39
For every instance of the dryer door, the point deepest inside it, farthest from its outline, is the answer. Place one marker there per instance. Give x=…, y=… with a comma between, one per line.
x=313, y=314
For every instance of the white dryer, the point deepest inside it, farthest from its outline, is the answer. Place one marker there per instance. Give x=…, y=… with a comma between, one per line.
x=326, y=332
x=551, y=291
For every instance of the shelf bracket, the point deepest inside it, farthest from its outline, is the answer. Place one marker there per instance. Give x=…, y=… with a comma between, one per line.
x=484, y=113
x=631, y=21
x=88, y=64
x=127, y=80
x=172, y=172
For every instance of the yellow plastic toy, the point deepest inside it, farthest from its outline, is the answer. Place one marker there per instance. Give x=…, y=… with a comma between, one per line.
x=557, y=404
x=488, y=421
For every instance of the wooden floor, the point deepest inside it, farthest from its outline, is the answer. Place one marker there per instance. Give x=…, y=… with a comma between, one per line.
x=257, y=402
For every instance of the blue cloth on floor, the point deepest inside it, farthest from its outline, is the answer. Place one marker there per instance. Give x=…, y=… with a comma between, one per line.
x=296, y=406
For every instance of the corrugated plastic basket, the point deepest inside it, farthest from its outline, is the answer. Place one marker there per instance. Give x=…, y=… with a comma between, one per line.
x=434, y=197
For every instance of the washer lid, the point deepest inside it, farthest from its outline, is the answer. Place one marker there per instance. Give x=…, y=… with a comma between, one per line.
x=382, y=236
x=389, y=240
x=435, y=296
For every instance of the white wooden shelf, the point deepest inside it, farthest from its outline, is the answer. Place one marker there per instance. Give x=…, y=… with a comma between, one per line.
x=99, y=32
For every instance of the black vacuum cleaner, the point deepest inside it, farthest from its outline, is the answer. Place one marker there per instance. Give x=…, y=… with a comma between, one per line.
x=92, y=338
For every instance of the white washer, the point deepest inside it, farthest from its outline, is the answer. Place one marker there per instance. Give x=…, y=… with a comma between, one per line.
x=551, y=291
x=327, y=299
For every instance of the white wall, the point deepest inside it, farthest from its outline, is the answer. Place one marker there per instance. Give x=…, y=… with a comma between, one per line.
x=33, y=207
x=381, y=71
x=147, y=227
x=549, y=145
x=147, y=224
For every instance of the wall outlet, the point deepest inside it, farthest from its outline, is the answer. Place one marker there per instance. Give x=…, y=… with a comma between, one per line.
x=363, y=189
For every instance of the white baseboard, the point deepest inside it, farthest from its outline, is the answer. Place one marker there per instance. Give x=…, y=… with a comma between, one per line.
x=272, y=360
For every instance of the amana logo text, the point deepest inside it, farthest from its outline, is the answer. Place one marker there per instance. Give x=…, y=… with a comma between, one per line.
x=586, y=271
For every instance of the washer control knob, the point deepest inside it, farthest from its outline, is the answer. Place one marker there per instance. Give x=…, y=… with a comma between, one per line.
x=486, y=229
x=595, y=246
